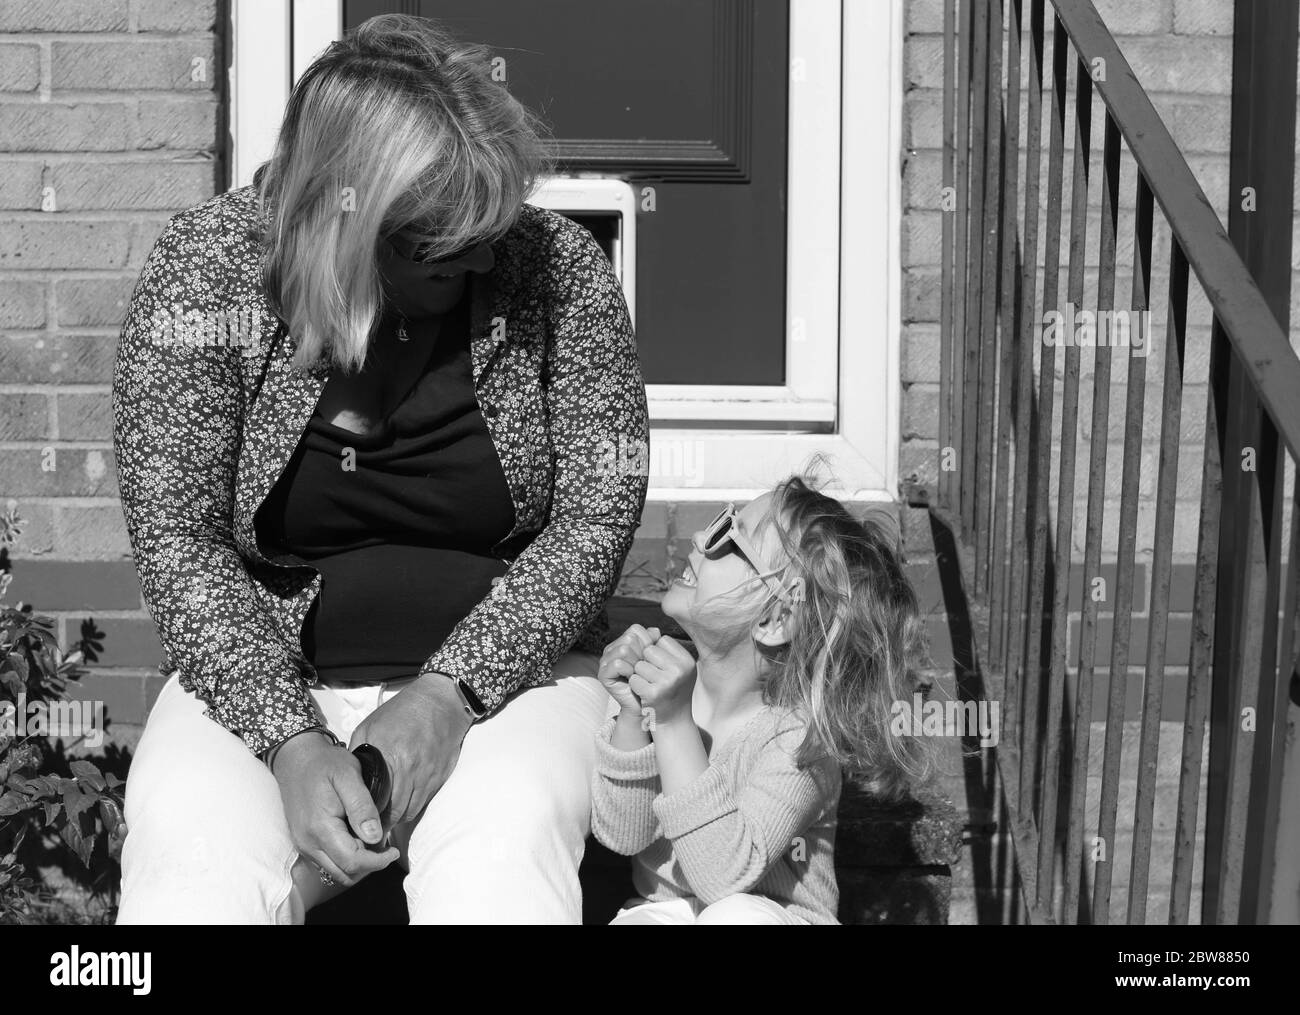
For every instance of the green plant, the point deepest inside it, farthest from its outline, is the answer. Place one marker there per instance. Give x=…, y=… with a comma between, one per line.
x=83, y=808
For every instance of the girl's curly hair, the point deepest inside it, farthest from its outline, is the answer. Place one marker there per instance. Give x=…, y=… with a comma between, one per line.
x=855, y=638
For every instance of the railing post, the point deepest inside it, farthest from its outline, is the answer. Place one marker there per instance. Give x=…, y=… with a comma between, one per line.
x=1027, y=740
x=975, y=280
x=1259, y=224
x=987, y=333
x=950, y=87
x=1241, y=839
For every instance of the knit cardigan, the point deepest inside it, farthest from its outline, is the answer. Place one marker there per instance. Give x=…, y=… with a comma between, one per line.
x=754, y=822
x=208, y=409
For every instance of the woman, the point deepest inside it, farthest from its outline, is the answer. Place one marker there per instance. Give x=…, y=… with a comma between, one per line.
x=359, y=414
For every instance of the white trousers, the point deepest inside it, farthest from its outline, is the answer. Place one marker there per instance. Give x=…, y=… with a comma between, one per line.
x=208, y=843
x=734, y=910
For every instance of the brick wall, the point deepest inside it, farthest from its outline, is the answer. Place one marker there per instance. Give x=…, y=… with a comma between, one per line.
x=108, y=125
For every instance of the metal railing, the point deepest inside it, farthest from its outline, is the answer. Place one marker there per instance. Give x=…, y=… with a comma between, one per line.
x=995, y=493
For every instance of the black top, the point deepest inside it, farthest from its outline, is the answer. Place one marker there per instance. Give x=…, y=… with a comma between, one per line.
x=403, y=543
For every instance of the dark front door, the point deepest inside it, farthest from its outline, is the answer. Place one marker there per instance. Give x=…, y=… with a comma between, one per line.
x=686, y=100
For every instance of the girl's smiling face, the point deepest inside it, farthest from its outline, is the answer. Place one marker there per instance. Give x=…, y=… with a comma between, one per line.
x=718, y=594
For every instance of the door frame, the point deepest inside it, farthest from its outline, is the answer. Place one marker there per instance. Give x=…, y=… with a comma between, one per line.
x=842, y=395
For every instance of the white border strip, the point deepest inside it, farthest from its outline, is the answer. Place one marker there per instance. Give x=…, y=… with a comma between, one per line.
x=259, y=82
x=870, y=235
x=813, y=211
x=316, y=23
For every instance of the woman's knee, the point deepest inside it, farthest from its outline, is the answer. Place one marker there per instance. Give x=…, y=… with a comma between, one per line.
x=513, y=860
x=524, y=774
x=191, y=865
x=504, y=836
x=502, y=813
x=207, y=838
x=507, y=855
x=200, y=778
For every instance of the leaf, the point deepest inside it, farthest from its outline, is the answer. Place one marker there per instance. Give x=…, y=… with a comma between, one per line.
x=88, y=773
x=26, y=755
x=44, y=635
x=75, y=802
x=11, y=804
x=52, y=808
x=114, y=824
x=79, y=840
x=16, y=680
x=13, y=761
x=42, y=786
x=116, y=839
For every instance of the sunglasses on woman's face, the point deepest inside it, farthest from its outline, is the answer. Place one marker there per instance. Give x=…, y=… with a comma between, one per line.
x=420, y=251
x=723, y=535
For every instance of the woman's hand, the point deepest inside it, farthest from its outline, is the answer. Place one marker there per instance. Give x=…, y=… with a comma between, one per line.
x=618, y=663
x=321, y=787
x=419, y=731
x=663, y=680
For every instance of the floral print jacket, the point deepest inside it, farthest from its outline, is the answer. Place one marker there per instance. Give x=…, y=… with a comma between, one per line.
x=208, y=410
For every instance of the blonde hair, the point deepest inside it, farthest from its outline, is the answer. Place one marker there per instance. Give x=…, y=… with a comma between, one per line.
x=853, y=639
x=398, y=126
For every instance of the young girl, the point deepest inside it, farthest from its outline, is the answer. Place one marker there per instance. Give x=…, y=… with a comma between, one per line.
x=722, y=776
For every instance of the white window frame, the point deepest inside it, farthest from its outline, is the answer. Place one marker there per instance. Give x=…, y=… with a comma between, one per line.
x=842, y=393
x=600, y=194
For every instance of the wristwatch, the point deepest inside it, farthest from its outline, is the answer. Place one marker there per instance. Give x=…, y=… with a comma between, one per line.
x=469, y=701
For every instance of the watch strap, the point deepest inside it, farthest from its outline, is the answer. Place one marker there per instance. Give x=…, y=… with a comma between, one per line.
x=469, y=701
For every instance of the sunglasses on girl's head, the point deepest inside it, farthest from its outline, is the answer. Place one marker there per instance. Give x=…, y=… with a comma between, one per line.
x=723, y=535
